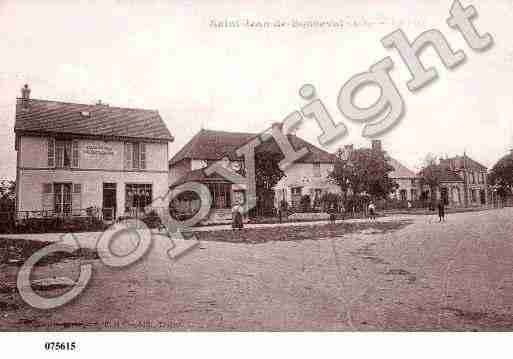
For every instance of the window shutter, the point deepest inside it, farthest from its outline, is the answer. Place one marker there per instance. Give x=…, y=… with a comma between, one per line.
x=74, y=154
x=47, y=197
x=128, y=155
x=51, y=152
x=142, y=154
x=76, y=199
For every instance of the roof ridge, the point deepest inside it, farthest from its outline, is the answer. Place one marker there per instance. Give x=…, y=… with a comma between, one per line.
x=91, y=105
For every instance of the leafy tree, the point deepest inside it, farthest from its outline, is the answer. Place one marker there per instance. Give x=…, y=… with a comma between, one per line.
x=430, y=174
x=267, y=175
x=501, y=176
x=7, y=195
x=363, y=171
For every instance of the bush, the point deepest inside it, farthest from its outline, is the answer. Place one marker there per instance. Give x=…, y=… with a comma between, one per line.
x=152, y=219
x=60, y=224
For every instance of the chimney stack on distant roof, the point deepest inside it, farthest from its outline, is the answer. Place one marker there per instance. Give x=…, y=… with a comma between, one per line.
x=25, y=92
x=376, y=145
x=25, y=96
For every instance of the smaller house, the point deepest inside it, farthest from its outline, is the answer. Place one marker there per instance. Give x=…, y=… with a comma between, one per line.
x=406, y=179
x=307, y=176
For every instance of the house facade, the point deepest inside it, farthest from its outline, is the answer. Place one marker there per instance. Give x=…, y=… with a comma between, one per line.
x=406, y=180
x=74, y=156
x=462, y=182
x=307, y=176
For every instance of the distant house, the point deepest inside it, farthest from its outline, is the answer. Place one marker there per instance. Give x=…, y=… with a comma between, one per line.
x=73, y=156
x=306, y=176
x=406, y=179
x=463, y=182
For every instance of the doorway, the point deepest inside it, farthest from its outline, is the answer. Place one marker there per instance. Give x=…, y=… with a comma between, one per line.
x=109, y=201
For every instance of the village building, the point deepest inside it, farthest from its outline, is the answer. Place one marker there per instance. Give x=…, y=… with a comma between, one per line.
x=72, y=156
x=406, y=180
x=462, y=182
x=306, y=176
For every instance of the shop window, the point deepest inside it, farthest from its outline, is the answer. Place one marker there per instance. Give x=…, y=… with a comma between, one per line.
x=138, y=195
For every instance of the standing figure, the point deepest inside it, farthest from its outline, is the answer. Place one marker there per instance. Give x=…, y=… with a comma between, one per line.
x=372, y=211
x=332, y=211
x=441, y=211
x=237, y=217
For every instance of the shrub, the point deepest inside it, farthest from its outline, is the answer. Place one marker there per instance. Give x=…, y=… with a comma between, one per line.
x=152, y=219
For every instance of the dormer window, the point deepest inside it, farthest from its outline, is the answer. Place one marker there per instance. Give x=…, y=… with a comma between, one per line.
x=85, y=114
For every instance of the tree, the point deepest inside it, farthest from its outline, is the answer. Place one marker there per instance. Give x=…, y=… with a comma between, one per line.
x=7, y=195
x=267, y=175
x=501, y=176
x=364, y=171
x=430, y=174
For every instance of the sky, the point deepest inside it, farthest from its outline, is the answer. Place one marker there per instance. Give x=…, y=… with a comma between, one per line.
x=168, y=56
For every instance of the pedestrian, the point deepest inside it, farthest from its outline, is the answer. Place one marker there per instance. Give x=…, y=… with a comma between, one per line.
x=372, y=211
x=441, y=211
x=237, y=222
x=332, y=211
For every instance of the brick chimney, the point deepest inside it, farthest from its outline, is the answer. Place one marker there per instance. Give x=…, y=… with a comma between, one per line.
x=25, y=96
x=376, y=145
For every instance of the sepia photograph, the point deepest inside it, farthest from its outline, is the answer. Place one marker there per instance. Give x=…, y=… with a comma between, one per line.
x=272, y=167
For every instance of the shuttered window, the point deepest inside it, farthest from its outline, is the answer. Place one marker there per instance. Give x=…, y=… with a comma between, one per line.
x=51, y=152
x=142, y=153
x=47, y=200
x=128, y=155
x=76, y=199
x=75, y=154
x=135, y=155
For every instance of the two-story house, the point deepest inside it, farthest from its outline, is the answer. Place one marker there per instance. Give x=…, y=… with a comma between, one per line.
x=462, y=182
x=73, y=156
x=307, y=176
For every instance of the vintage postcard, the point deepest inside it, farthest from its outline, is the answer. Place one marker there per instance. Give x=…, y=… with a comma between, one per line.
x=236, y=166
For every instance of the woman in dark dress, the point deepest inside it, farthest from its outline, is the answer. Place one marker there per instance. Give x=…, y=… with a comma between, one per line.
x=237, y=217
x=441, y=211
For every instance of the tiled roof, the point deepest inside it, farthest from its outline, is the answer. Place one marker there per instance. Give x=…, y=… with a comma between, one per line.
x=400, y=171
x=90, y=120
x=214, y=145
x=459, y=163
x=446, y=174
x=198, y=176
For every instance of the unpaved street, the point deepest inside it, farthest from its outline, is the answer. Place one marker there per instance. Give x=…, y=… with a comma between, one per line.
x=420, y=276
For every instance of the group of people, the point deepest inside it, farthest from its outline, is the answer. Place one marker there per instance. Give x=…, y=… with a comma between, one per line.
x=238, y=223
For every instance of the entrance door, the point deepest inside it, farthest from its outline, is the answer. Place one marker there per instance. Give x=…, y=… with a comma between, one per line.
x=295, y=194
x=109, y=201
x=482, y=196
x=62, y=199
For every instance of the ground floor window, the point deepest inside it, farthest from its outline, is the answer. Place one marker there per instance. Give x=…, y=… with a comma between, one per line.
x=402, y=195
x=295, y=193
x=413, y=194
x=221, y=195
x=138, y=195
x=62, y=198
